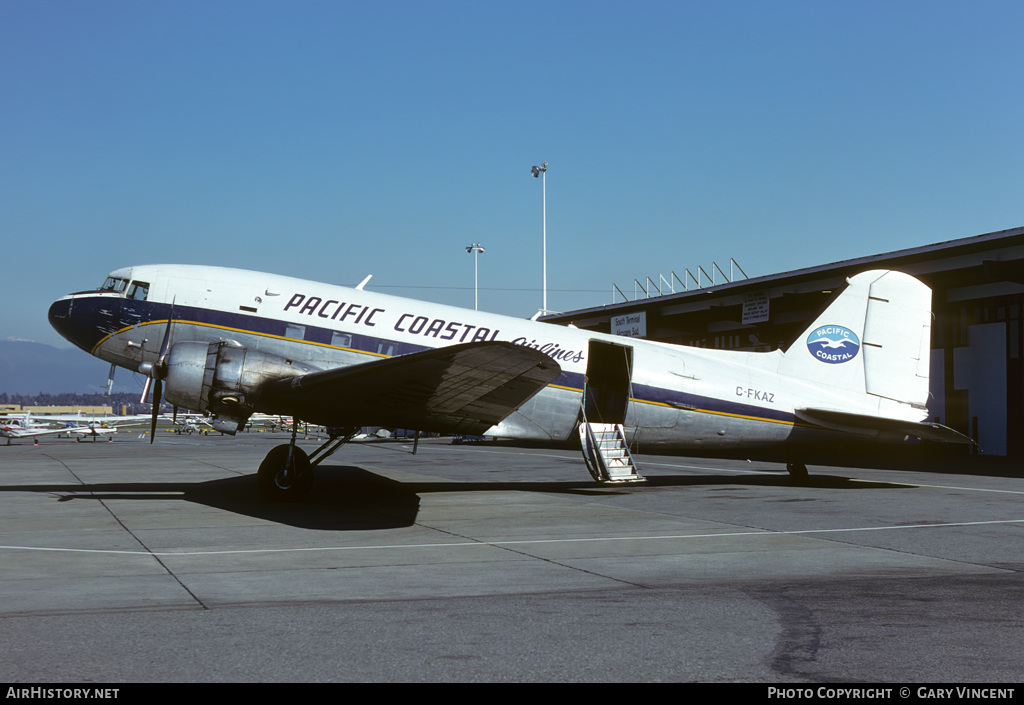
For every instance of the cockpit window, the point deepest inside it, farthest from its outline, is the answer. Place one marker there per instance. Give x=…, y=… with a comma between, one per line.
x=114, y=284
x=139, y=290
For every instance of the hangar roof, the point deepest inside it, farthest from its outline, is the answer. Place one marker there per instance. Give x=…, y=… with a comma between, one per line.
x=949, y=256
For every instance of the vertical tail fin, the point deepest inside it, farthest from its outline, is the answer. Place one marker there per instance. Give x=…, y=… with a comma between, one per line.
x=875, y=339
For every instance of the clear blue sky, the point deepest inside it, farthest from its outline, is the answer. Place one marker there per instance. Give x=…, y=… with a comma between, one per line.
x=331, y=140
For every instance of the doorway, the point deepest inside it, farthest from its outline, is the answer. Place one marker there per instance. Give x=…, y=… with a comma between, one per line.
x=606, y=389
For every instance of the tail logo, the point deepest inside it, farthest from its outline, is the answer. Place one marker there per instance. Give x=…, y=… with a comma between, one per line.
x=833, y=344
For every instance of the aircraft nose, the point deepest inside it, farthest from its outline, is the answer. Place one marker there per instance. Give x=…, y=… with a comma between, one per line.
x=60, y=317
x=60, y=310
x=71, y=326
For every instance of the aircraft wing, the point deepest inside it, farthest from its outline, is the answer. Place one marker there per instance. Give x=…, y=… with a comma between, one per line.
x=30, y=432
x=873, y=425
x=459, y=389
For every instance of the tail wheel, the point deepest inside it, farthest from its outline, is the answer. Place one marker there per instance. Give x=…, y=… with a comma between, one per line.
x=278, y=483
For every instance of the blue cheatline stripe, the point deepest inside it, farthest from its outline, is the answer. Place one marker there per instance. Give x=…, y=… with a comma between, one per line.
x=709, y=405
x=157, y=314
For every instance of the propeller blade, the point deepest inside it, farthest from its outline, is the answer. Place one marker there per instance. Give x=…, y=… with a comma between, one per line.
x=110, y=380
x=167, y=332
x=157, y=388
x=156, y=375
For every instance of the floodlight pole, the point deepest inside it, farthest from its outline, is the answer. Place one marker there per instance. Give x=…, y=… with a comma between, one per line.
x=476, y=249
x=542, y=172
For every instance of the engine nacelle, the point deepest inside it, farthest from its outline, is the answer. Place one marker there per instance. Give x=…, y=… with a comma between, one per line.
x=224, y=379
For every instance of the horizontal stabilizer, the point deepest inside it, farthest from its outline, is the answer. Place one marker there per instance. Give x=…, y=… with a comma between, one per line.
x=458, y=389
x=877, y=425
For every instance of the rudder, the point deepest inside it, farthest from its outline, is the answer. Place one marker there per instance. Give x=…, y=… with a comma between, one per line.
x=874, y=339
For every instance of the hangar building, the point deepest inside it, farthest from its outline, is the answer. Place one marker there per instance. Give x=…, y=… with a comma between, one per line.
x=977, y=369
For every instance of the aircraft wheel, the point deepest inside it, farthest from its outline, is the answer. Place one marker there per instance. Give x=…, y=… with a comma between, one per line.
x=797, y=472
x=271, y=480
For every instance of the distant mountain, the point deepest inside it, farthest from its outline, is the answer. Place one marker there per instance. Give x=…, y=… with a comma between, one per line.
x=34, y=368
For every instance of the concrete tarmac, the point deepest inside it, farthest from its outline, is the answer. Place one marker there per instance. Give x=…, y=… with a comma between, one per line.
x=125, y=562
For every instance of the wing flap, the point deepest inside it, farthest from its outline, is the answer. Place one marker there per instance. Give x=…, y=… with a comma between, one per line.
x=865, y=425
x=459, y=389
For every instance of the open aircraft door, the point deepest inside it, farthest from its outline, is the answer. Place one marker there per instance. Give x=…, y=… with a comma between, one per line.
x=606, y=394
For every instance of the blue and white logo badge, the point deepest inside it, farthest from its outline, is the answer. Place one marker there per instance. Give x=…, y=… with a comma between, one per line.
x=833, y=344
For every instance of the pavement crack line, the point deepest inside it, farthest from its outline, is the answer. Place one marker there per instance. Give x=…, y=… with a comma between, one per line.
x=503, y=546
x=139, y=541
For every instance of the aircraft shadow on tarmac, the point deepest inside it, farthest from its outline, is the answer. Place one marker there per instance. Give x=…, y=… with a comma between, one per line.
x=349, y=498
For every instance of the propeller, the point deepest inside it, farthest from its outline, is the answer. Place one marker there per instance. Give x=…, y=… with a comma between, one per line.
x=157, y=371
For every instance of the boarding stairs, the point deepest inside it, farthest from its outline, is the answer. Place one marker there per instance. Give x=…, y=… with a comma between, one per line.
x=606, y=453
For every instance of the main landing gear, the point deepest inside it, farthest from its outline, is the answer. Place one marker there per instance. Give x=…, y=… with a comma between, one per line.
x=797, y=472
x=286, y=474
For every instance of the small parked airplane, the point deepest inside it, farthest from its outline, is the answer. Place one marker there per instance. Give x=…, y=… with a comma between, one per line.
x=233, y=343
x=189, y=424
x=27, y=427
x=24, y=426
x=92, y=430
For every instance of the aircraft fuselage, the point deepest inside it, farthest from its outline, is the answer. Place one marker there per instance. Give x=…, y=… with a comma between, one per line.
x=675, y=398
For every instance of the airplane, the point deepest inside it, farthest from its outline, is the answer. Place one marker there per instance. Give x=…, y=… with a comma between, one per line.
x=190, y=423
x=92, y=430
x=23, y=426
x=272, y=422
x=232, y=343
x=26, y=428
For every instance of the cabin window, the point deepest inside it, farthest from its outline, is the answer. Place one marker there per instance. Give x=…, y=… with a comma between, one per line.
x=295, y=332
x=386, y=348
x=341, y=340
x=138, y=291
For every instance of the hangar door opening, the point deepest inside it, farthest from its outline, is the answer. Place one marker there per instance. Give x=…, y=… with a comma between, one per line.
x=606, y=389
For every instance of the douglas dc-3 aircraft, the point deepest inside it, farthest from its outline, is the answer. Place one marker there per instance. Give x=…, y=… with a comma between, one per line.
x=232, y=343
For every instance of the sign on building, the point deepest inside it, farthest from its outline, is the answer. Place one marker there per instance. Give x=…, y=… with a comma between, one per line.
x=755, y=307
x=630, y=325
